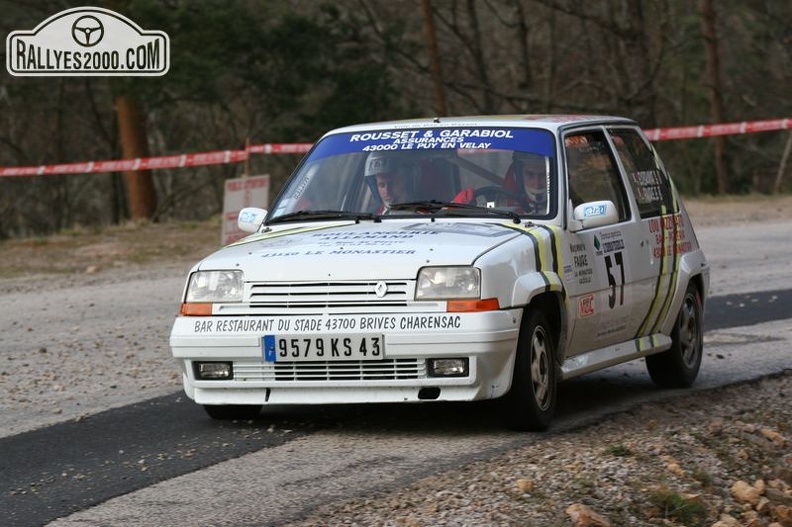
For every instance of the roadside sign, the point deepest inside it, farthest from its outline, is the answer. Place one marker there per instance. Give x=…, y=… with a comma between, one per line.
x=244, y=192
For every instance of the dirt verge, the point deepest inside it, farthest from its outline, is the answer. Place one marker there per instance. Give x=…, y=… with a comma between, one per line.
x=140, y=244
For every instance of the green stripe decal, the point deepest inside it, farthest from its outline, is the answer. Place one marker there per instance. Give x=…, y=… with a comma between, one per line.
x=666, y=281
x=547, y=253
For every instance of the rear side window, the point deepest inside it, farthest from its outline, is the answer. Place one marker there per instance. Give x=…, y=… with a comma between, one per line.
x=646, y=176
x=592, y=171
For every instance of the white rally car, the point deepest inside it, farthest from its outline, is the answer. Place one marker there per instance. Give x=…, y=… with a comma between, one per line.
x=450, y=259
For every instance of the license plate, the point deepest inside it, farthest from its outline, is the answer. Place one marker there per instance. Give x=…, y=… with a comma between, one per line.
x=301, y=348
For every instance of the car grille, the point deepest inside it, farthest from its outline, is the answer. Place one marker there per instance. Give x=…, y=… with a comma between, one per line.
x=392, y=369
x=330, y=294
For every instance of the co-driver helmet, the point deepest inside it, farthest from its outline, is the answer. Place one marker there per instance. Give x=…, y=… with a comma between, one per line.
x=535, y=188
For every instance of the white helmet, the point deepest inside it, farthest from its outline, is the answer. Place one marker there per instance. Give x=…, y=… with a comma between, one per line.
x=381, y=164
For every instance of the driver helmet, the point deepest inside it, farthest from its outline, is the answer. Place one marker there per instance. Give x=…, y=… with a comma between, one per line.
x=379, y=163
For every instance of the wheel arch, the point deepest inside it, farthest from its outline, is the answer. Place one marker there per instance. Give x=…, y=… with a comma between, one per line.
x=530, y=403
x=552, y=304
x=693, y=269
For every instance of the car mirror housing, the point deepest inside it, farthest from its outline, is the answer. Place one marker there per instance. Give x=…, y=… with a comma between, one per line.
x=250, y=219
x=593, y=214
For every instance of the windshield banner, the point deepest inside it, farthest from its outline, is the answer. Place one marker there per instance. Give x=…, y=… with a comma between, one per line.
x=525, y=140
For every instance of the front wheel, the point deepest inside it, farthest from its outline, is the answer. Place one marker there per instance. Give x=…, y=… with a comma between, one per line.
x=530, y=403
x=232, y=412
x=678, y=366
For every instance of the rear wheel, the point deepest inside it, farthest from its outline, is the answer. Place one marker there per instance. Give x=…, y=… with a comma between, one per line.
x=531, y=401
x=679, y=366
x=231, y=412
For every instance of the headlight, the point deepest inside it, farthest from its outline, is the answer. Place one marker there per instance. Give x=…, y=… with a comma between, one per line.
x=215, y=286
x=443, y=283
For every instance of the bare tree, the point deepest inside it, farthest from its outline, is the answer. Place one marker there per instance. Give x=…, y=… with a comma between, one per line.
x=434, y=57
x=715, y=89
x=134, y=144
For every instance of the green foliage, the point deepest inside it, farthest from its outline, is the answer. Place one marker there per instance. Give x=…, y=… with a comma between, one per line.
x=285, y=71
x=674, y=506
x=619, y=451
x=304, y=72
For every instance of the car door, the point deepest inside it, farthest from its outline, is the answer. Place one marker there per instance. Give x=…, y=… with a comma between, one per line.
x=609, y=273
x=661, y=225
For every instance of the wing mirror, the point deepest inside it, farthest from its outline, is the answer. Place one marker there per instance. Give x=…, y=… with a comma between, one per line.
x=250, y=219
x=593, y=214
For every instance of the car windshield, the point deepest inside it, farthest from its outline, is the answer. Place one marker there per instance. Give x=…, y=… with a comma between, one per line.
x=441, y=171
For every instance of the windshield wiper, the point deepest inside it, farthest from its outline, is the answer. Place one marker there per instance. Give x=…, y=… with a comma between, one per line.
x=450, y=208
x=324, y=215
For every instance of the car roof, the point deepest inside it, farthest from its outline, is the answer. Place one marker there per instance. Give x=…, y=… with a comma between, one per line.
x=551, y=122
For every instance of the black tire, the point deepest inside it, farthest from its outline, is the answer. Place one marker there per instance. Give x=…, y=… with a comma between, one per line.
x=530, y=403
x=678, y=367
x=233, y=412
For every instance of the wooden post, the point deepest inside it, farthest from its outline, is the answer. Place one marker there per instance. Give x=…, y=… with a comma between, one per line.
x=782, y=166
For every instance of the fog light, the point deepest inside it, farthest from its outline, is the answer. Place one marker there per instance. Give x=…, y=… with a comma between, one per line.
x=448, y=367
x=210, y=371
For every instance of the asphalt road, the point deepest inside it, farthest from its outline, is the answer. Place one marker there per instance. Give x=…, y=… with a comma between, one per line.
x=55, y=471
x=94, y=433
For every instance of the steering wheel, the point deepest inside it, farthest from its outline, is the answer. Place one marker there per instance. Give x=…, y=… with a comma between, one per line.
x=491, y=193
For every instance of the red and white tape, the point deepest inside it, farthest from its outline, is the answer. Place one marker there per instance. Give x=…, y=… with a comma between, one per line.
x=280, y=148
x=235, y=156
x=149, y=163
x=711, y=130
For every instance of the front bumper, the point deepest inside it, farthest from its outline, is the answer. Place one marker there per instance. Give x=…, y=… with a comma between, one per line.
x=487, y=339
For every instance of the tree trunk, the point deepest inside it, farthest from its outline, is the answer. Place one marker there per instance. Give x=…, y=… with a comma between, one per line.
x=434, y=55
x=713, y=82
x=477, y=48
x=642, y=61
x=134, y=144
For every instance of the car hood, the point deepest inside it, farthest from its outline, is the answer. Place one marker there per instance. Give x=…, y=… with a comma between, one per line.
x=391, y=249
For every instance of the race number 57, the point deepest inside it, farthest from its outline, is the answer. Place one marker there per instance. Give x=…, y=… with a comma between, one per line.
x=617, y=261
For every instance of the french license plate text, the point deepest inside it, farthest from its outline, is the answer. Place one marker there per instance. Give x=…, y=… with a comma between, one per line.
x=292, y=348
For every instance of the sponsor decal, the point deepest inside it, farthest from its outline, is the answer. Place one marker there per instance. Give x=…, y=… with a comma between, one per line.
x=608, y=242
x=670, y=236
x=465, y=138
x=87, y=41
x=447, y=140
x=583, y=271
x=468, y=229
x=586, y=305
x=229, y=325
x=593, y=210
x=247, y=216
x=648, y=186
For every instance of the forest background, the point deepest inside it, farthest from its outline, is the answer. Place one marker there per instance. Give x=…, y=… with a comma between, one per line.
x=286, y=71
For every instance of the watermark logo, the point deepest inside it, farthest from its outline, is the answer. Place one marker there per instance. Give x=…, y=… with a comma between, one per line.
x=87, y=41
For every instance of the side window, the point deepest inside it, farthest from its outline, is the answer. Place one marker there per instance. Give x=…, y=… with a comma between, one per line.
x=592, y=172
x=646, y=176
